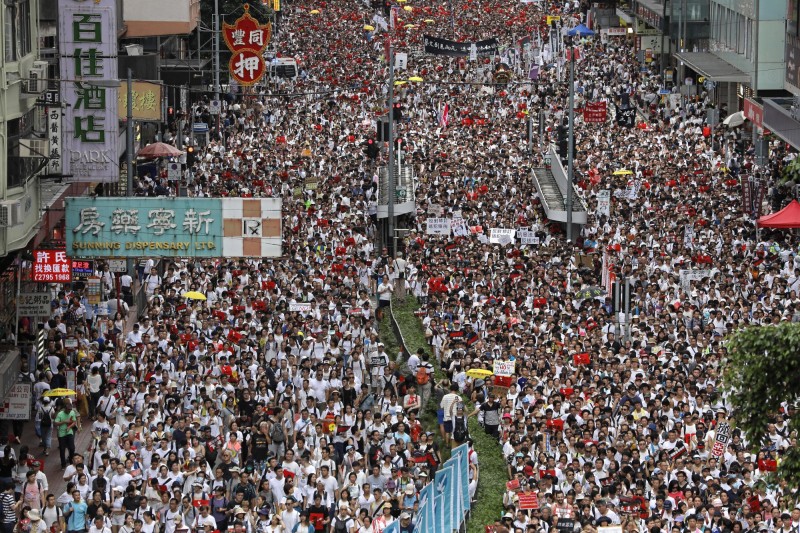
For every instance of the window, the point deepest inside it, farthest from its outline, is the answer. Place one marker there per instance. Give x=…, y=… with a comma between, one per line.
x=17, y=26
x=20, y=168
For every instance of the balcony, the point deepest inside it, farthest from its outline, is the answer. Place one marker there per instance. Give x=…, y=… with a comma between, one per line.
x=153, y=18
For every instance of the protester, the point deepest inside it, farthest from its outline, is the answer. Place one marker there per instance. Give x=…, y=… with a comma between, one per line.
x=248, y=410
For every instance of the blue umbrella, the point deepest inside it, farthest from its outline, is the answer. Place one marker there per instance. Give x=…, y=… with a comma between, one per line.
x=580, y=30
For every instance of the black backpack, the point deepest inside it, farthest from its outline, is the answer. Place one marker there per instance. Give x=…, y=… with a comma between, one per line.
x=339, y=526
x=460, y=433
x=46, y=420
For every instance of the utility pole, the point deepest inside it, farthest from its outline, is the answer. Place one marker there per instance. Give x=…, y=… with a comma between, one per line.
x=390, y=184
x=571, y=138
x=129, y=151
x=216, y=50
x=756, y=148
x=530, y=131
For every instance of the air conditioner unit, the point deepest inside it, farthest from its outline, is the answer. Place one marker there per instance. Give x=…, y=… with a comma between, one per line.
x=36, y=82
x=10, y=214
x=31, y=147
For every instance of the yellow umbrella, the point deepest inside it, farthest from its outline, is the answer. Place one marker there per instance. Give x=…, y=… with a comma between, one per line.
x=415, y=79
x=367, y=27
x=408, y=8
x=402, y=1
x=479, y=373
x=59, y=392
x=409, y=26
x=623, y=172
x=429, y=21
x=314, y=11
x=400, y=82
x=194, y=295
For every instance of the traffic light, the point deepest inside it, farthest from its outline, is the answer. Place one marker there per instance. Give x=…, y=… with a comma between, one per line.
x=382, y=129
x=387, y=7
x=190, y=156
x=171, y=111
x=371, y=149
x=562, y=141
x=397, y=112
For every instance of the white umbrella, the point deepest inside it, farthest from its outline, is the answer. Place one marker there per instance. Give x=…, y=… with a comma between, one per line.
x=734, y=120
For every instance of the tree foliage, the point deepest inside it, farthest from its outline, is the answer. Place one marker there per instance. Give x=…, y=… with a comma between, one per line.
x=762, y=376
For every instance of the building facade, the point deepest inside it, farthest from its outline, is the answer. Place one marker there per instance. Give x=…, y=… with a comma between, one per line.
x=24, y=147
x=782, y=114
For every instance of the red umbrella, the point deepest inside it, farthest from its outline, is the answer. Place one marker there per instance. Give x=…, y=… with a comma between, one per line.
x=159, y=150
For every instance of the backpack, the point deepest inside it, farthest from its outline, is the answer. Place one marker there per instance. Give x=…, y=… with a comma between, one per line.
x=276, y=432
x=339, y=526
x=46, y=420
x=460, y=433
x=422, y=375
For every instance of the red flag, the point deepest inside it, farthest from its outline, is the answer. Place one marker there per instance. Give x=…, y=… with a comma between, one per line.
x=581, y=358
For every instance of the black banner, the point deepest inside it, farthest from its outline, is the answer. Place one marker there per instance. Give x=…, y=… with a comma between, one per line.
x=626, y=118
x=443, y=47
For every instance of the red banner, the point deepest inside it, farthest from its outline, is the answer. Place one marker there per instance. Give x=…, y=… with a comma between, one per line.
x=595, y=112
x=51, y=266
x=528, y=500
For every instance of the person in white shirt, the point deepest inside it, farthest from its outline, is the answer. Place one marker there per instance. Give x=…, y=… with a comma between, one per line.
x=99, y=526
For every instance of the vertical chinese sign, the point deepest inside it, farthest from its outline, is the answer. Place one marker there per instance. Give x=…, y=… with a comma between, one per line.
x=88, y=49
x=54, y=134
x=51, y=266
x=246, y=39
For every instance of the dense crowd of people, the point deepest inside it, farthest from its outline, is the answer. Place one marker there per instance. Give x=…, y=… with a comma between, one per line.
x=273, y=406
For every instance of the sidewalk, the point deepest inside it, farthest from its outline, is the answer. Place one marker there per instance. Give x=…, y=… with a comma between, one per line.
x=52, y=464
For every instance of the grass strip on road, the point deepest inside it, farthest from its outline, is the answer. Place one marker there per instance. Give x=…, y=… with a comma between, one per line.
x=493, y=468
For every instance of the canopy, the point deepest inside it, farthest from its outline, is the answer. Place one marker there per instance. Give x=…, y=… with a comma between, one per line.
x=159, y=150
x=788, y=217
x=580, y=30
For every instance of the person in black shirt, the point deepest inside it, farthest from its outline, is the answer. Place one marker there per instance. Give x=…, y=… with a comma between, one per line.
x=97, y=504
x=318, y=514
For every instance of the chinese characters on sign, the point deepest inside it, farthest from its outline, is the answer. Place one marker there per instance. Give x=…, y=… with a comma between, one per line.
x=595, y=112
x=174, y=227
x=82, y=270
x=88, y=45
x=51, y=266
x=247, y=38
x=54, y=134
x=181, y=228
x=438, y=226
x=34, y=304
x=146, y=102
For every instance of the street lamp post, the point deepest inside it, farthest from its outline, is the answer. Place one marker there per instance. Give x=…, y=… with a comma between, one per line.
x=390, y=184
x=216, y=50
x=571, y=139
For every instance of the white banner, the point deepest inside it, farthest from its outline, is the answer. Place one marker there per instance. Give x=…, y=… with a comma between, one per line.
x=300, y=307
x=438, y=226
x=502, y=235
x=604, y=202
x=526, y=236
x=503, y=368
x=460, y=228
x=688, y=276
